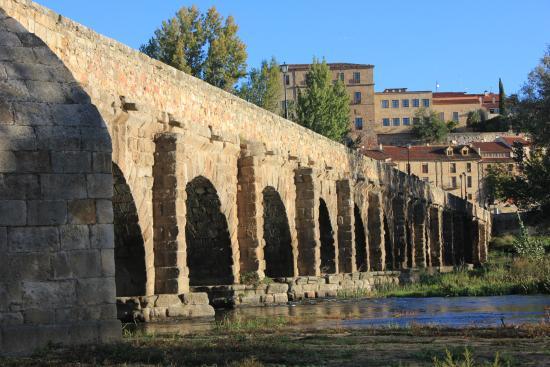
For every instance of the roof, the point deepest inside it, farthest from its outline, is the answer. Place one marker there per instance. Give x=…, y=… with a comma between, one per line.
x=421, y=153
x=456, y=101
x=332, y=66
x=510, y=140
x=393, y=91
x=491, y=147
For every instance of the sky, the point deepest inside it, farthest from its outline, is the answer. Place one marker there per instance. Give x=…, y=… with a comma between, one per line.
x=463, y=45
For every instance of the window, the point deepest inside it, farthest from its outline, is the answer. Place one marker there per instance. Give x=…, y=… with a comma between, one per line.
x=386, y=122
x=510, y=167
x=453, y=182
x=455, y=116
x=426, y=179
x=385, y=103
x=424, y=167
x=357, y=77
x=468, y=167
x=416, y=120
x=341, y=76
x=287, y=79
x=405, y=103
x=396, y=121
x=453, y=168
x=394, y=103
x=416, y=102
x=449, y=151
x=426, y=102
x=357, y=98
x=442, y=116
x=469, y=181
x=469, y=196
x=358, y=123
x=406, y=121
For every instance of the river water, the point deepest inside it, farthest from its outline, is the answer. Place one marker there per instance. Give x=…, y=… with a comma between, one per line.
x=382, y=312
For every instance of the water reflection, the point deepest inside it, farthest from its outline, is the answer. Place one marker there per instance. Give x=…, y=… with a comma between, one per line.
x=442, y=311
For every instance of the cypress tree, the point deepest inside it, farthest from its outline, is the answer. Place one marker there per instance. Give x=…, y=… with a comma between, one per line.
x=502, y=98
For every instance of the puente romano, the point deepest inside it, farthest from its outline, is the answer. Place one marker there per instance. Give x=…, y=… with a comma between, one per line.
x=125, y=180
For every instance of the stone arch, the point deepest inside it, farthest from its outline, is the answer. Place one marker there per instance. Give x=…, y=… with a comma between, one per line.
x=326, y=237
x=361, y=256
x=278, y=242
x=388, y=243
x=410, y=244
x=209, y=253
x=130, y=275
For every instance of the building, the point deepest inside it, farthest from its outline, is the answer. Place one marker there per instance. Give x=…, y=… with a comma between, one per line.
x=396, y=108
x=453, y=168
x=455, y=106
x=359, y=82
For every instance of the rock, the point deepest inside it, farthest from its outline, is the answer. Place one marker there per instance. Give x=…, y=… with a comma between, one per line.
x=166, y=300
x=179, y=311
x=277, y=288
x=201, y=311
x=198, y=298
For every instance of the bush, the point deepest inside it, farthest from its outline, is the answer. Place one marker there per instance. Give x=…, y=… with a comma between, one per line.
x=468, y=361
x=525, y=245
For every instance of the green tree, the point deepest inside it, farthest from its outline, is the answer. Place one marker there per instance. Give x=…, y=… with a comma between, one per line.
x=323, y=106
x=264, y=87
x=203, y=45
x=430, y=128
x=502, y=98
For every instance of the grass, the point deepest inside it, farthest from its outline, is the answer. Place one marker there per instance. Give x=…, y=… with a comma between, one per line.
x=412, y=346
x=250, y=324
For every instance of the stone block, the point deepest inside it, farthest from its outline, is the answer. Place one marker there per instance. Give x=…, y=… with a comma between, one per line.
x=12, y=337
x=3, y=240
x=71, y=162
x=178, y=311
x=30, y=239
x=9, y=39
x=32, y=114
x=13, y=213
x=63, y=138
x=309, y=294
x=334, y=279
x=41, y=315
x=74, y=237
x=280, y=297
x=277, y=288
x=42, y=91
x=95, y=291
x=84, y=333
x=15, y=138
x=11, y=318
x=46, y=212
x=108, y=262
x=166, y=300
x=33, y=162
x=100, y=186
x=6, y=112
x=301, y=280
x=50, y=293
x=8, y=162
x=19, y=187
x=102, y=236
x=252, y=299
x=63, y=186
x=201, y=311
x=95, y=140
x=77, y=264
x=267, y=298
x=102, y=162
x=25, y=266
x=104, y=211
x=199, y=298
x=82, y=211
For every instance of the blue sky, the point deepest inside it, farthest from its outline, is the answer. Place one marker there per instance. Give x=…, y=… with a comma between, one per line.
x=465, y=45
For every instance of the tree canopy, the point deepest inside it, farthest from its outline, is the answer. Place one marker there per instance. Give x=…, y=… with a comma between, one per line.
x=529, y=189
x=203, y=45
x=323, y=105
x=264, y=87
x=430, y=128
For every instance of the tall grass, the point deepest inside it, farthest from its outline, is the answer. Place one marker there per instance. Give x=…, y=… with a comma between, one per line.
x=467, y=360
x=248, y=325
x=501, y=276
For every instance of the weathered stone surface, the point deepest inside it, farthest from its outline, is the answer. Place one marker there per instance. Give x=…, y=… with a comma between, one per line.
x=13, y=212
x=102, y=236
x=29, y=239
x=74, y=237
x=277, y=288
x=46, y=212
x=195, y=298
x=167, y=300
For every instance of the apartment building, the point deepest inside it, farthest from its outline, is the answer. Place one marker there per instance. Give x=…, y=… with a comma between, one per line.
x=453, y=168
x=395, y=109
x=359, y=82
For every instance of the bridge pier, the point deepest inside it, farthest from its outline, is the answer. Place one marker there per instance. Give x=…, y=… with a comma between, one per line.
x=376, y=236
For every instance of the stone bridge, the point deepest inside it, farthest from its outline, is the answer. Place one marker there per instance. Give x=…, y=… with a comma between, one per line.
x=123, y=177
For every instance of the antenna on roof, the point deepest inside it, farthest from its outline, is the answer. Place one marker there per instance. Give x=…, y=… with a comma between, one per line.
x=436, y=86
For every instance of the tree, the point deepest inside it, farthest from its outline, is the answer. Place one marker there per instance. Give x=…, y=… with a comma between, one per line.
x=501, y=98
x=430, y=128
x=323, y=106
x=202, y=45
x=264, y=87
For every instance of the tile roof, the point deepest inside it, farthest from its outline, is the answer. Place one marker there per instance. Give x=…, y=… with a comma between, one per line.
x=510, y=140
x=491, y=147
x=421, y=153
x=332, y=66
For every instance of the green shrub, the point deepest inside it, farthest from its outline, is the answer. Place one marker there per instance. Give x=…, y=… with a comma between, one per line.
x=525, y=245
x=467, y=360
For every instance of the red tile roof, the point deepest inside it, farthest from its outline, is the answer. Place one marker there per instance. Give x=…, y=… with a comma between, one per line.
x=513, y=139
x=491, y=147
x=332, y=66
x=421, y=153
x=455, y=101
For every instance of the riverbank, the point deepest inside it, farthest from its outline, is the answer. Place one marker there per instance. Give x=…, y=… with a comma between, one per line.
x=274, y=343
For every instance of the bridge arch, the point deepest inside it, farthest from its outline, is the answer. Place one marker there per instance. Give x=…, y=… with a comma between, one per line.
x=209, y=253
x=326, y=238
x=277, y=237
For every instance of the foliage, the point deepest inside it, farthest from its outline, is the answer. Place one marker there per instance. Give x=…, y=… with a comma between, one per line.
x=527, y=246
x=496, y=182
x=502, y=98
x=202, y=45
x=497, y=123
x=250, y=278
x=264, y=87
x=430, y=128
x=467, y=361
x=474, y=118
x=323, y=106
x=250, y=324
